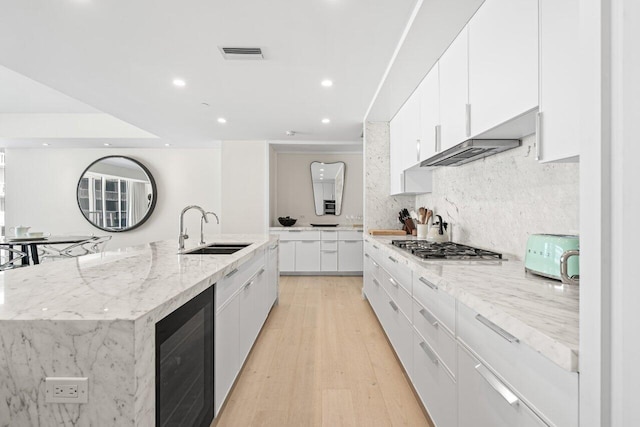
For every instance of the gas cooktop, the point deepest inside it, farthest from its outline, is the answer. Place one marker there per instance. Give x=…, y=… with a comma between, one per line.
x=445, y=251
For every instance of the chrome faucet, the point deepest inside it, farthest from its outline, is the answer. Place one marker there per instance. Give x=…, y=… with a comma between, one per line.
x=202, y=220
x=183, y=233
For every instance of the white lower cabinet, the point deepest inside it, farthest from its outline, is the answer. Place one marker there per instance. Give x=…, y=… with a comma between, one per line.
x=227, y=350
x=307, y=256
x=244, y=298
x=317, y=252
x=485, y=401
x=434, y=383
x=350, y=255
x=467, y=370
x=287, y=256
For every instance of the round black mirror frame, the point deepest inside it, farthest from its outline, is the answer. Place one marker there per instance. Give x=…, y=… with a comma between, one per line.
x=153, y=199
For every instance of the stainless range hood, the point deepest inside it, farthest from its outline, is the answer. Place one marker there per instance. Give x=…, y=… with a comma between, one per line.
x=470, y=150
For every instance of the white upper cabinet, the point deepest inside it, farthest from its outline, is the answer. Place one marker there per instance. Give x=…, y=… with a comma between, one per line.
x=559, y=70
x=503, y=62
x=429, y=95
x=454, y=92
x=404, y=139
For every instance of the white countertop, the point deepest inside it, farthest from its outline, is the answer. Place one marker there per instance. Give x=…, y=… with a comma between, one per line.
x=542, y=313
x=309, y=228
x=118, y=285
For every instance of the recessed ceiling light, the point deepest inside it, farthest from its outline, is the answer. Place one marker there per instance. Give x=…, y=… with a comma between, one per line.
x=321, y=170
x=45, y=144
x=179, y=82
x=290, y=133
x=222, y=120
x=327, y=83
x=325, y=121
x=106, y=144
x=321, y=178
x=167, y=145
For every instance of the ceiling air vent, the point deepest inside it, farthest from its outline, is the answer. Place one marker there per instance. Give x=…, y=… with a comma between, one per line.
x=241, y=52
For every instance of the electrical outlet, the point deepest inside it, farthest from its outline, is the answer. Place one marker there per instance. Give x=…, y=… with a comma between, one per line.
x=67, y=390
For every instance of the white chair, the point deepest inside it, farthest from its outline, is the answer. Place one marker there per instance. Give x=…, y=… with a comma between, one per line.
x=12, y=256
x=93, y=245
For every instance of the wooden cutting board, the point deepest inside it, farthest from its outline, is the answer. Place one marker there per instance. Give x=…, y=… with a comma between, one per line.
x=387, y=232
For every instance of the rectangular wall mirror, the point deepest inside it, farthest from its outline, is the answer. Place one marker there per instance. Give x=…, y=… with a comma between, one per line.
x=328, y=185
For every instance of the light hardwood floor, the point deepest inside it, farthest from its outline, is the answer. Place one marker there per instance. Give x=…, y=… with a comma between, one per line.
x=322, y=359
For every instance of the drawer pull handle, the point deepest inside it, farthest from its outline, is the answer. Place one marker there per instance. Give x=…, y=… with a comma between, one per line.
x=430, y=354
x=393, y=305
x=329, y=251
x=497, y=329
x=430, y=317
x=273, y=247
x=247, y=285
x=428, y=283
x=366, y=255
x=502, y=389
x=260, y=272
x=375, y=247
x=393, y=282
x=393, y=259
x=376, y=282
x=375, y=264
x=295, y=231
x=234, y=271
x=351, y=241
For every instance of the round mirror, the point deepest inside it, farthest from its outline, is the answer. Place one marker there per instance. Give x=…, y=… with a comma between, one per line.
x=116, y=193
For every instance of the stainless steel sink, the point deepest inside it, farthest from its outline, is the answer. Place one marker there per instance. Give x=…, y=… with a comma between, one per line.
x=218, y=249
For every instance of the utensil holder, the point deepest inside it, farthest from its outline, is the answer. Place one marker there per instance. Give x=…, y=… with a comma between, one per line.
x=422, y=231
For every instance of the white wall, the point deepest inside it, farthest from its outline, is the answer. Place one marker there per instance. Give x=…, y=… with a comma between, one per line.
x=41, y=190
x=497, y=202
x=295, y=190
x=245, y=187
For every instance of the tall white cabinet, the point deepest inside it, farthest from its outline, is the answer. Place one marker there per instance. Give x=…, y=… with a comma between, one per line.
x=559, y=114
x=454, y=91
x=503, y=62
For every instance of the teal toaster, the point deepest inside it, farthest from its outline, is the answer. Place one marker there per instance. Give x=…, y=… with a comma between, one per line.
x=544, y=252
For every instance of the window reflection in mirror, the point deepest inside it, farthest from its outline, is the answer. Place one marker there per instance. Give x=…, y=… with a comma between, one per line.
x=116, y=193
x=328, y=185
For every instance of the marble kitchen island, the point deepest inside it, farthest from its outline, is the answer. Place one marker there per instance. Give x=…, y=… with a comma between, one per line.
x=95, y=317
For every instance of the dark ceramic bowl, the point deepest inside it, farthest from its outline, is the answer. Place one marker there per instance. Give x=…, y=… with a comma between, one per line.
x=287, y=222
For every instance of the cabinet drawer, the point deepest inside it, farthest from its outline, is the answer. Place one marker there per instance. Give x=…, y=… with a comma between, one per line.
x=374, y=268
x=331, y=245
x=545, y=385
x=399, y=295
x=329, y=234
x=235, y=279
x=373, y=249
x=436, y=388
x=328, y=260
x=398, y=329
x=483, y=400
x=299, y=235
x=400, y=272
x=440, y=303
x=350, y=235
x=430, y=327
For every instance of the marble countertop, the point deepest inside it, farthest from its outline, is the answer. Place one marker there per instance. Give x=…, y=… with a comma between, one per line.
x=117, y=285
x=542, y=313
x=309, y=228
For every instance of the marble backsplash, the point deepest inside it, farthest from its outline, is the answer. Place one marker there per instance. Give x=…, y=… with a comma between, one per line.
x=380, y=209
x=497, y=202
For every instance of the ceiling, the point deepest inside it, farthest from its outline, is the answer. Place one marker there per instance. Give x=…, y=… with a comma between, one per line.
x=120, y=57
